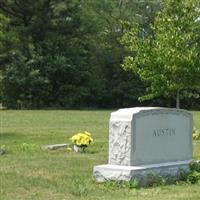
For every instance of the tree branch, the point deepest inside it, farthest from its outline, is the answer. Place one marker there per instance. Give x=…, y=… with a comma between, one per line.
x=9, y=11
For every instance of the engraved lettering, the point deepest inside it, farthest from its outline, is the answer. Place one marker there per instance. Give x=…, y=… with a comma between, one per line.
x=154, y=133
x=164, y=132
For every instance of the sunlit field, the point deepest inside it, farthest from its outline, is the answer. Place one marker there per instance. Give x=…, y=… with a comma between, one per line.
x=28, y=172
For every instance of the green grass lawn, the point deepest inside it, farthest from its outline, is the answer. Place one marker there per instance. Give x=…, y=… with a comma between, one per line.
x=31, y=173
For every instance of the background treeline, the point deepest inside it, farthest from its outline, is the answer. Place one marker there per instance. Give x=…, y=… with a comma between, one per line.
x=67, y=53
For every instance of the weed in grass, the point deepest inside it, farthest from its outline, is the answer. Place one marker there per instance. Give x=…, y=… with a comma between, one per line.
x=195, y=166
x=183, y=176
x=114, y=185
x=154, y=179
x=170, y=180
x=193, y=177
x=3, y=147
x=80, y=187
x=132, y=184
x=3, y=150
x=25, y=147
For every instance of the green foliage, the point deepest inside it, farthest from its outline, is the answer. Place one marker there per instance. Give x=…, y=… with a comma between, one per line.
x=155, y=179
x=1, y=86
x=80, y=187
x=114, y=185
x=196, y=134
x=194, y=177
x=172, y=49
x=108, y=17
x=195, y=166
x=49, y=68
x=25, y=147
x=68, y=54
x=3, y=23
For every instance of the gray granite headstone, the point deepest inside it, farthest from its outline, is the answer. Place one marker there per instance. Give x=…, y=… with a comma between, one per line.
x=147, y=139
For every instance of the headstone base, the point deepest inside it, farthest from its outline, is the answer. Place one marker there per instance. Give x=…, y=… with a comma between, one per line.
x=141, y=173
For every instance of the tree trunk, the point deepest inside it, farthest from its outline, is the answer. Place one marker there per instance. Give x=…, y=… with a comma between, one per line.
x=178, y=99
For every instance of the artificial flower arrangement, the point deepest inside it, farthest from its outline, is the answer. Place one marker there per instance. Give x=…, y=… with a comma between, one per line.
x=81, y=141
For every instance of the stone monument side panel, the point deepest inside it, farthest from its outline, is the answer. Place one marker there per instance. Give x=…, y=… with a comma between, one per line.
x=120, y=143
x=161, y=136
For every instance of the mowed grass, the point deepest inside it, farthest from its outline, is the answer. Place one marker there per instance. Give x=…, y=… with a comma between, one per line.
x=36, y=174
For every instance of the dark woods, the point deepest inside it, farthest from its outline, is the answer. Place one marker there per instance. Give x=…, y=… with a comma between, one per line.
x=67, y=53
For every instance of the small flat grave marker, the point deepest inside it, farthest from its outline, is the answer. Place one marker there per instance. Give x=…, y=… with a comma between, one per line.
x=54, y=146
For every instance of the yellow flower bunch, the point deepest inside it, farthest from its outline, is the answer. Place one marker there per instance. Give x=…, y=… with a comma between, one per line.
x=82, y=139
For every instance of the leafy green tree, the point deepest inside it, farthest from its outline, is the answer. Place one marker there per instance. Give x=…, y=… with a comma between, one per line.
x=168, y=59
x=3, y=23
x=107, y=52
x=67, y=52
x=18, y=51
x=2, y=35
x=49, y=67
x=4, y=48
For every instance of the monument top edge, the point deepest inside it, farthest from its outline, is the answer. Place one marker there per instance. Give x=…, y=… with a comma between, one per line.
x=127, y=113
